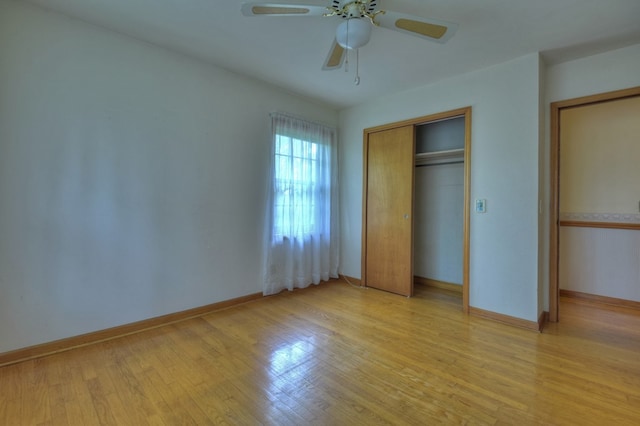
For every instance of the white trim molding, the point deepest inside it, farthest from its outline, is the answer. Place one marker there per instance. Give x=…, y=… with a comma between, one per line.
x=600, y=217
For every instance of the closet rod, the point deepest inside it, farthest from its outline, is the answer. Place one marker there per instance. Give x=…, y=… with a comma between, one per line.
x=440, y=163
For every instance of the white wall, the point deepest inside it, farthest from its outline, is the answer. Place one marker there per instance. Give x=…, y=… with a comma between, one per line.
x=543, y=193
x=604, y=262
x=131, y=178
x=504, y=170
x=606, y=72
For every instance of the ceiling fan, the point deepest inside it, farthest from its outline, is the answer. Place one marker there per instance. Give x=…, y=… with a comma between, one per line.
x=359, y=16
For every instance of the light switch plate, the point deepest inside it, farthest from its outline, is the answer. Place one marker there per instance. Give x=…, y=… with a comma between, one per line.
x=481, y=205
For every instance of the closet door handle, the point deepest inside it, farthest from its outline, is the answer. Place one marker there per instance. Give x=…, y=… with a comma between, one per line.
x=406, y=216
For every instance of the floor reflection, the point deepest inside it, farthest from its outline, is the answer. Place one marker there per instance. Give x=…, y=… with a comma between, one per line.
x=291, y=355
x=292, y=368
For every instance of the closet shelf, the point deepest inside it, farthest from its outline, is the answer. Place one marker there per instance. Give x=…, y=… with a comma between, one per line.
x=440, y=157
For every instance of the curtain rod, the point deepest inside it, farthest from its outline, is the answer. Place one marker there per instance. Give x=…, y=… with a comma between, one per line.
x=298, y=117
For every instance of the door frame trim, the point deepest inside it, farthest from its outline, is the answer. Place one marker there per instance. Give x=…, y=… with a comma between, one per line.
x=460, y=112
x=554, y=167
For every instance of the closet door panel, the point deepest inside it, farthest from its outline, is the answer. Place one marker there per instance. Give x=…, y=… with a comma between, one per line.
x=389, y=210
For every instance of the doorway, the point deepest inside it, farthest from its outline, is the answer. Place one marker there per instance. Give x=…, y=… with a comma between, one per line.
x=598, y=206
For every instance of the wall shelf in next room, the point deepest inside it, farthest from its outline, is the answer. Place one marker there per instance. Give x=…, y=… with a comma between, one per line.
x=440, y=157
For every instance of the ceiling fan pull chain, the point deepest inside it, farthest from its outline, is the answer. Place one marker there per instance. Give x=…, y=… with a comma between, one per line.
x=346, y=58
x=357, y=79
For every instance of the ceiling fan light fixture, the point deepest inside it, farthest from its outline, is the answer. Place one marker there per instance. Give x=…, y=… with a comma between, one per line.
x=353, y=33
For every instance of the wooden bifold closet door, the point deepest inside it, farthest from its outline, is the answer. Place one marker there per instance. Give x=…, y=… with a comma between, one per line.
x=389, y=174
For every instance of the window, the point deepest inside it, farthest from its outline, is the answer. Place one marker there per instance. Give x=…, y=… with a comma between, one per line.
x=296, y=187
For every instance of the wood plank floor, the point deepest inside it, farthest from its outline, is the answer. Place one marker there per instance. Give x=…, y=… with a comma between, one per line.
x=339, y=355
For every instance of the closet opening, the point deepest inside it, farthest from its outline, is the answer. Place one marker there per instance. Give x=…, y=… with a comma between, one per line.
x=416, y=180
x=439, y=185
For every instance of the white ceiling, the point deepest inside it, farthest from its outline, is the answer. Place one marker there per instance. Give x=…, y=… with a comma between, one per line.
x=289, y=51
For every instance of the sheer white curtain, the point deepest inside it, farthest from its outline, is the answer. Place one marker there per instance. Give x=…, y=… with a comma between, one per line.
x=302, y=209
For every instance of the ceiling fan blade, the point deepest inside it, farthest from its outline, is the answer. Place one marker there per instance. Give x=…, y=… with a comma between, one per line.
x=430, y=29
x=282, y=9
x=335, y=58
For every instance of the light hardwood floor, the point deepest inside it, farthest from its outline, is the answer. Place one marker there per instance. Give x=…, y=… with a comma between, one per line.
x=339, y=355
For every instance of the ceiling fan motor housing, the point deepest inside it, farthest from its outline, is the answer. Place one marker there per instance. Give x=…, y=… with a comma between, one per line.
x=353, y=33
